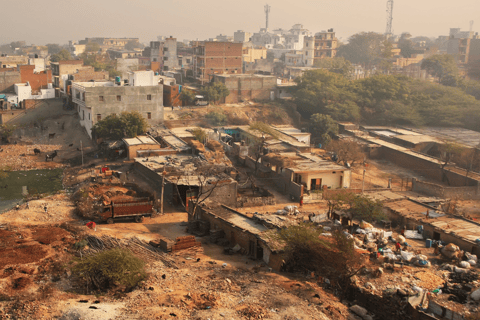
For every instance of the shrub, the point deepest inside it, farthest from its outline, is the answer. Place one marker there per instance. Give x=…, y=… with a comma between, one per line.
x=216, y=118
x=111, y=268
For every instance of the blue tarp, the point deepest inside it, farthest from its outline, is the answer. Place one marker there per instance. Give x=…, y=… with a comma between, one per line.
x=4, y=97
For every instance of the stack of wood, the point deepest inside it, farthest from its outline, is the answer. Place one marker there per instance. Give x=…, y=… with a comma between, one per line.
x=185, y=243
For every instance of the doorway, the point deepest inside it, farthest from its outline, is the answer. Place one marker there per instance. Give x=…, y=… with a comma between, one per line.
x=436, y=236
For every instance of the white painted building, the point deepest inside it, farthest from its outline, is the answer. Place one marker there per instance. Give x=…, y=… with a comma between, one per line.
x=292, y=39
x=23, y=91
x=142, y=78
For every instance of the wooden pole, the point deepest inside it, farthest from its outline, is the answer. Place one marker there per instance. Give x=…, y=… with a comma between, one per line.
x=161, y=195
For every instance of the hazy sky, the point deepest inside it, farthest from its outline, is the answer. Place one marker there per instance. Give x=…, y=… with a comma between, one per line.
x=57, y=21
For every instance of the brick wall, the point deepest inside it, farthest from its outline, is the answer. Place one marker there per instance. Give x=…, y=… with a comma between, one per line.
x=8, y=77
x=36, y=80
x=436, y=190
x=87, y=74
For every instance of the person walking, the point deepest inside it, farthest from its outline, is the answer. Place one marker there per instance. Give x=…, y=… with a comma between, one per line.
x=45, y=208
x=27, y=205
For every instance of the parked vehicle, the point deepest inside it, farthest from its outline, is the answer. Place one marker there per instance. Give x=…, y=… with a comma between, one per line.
x=136, y=209
x=200, y=101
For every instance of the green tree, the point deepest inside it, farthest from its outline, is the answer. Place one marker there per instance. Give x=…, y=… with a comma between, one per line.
x=132, y=44
x=323, y=128
x=92, y=47
x=443, y=67
x=61, y=56
x=215, y=92
x=337, y=65
x=216, y=118
x=110, y=268
x=406, y=45
x=53, y=48
x=187, y=97
x=359, y=206
x=363, y=48
x=321, y=91
x=128, y=125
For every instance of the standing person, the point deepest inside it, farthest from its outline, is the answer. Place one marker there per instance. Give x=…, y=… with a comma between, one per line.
x=403, y=231
x=28, y=206
x=45, y=208
x=301, y=201
x=397, y=246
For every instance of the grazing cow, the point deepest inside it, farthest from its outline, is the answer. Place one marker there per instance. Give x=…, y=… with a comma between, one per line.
x=51, y=156
x=36, y=151
x=51, y=135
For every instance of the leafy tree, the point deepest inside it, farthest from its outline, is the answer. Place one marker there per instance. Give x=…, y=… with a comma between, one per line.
x=110, y=268
x=6, y=131
x=128, y=125
x=53, y=48
x=359, y=206
x=215, y=92
x=321, y=91
x=443, y=67
x=336, y=64
x=61, y=55
x=347, y=151
x=92, y=47
x=363, y=48
x=323, y=128
x=200, y=134
x=132, y=44
x=187, y=97
x=406, y=45
x=17, y=44
x=216, y=118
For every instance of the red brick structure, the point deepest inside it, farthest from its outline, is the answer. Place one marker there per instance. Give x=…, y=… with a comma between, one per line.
x=171, y=95
x=217, y=58
x=88, y=73
x=37, y=81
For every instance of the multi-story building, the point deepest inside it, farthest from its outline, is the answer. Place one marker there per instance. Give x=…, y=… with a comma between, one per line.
x=110, y=43
x=251, y=53
x=216, y=58
x=241, y=36
x=164, y=52
x=326, y=44
x=96, y=100
x=280, y=38
x=66, y=71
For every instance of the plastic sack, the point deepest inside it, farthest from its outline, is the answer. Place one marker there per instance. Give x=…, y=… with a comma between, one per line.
x=401, y=239
x=365, y=225
x=464, y=264
x=451, y=247
x=472, y=262
x=471, y=256
x=407, y=256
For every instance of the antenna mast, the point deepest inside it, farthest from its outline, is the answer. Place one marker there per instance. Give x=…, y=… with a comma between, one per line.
x=388, y=31
x=267, y=11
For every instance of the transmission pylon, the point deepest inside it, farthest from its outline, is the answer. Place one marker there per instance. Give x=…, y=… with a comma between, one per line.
x=388, y=31
x=267, y=11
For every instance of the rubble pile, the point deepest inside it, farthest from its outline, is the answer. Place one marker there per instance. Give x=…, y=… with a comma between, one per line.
x=22, y=157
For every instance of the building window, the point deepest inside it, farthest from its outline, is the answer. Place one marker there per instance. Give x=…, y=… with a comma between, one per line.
x=149, y=97
x=119, y=98
x=154, y=59
x=165, y=49
x=165, y=58
x=100, y=98
x=149, y=115
x=89, y=116
x=188, y=60
x=99, y=117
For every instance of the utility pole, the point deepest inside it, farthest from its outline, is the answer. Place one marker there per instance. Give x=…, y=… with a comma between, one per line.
x=81, y=149
x=363, y=181
x=388, y=31
x=163, y=188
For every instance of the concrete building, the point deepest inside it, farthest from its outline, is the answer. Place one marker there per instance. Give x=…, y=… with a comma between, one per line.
x=24, y=92
x=292, y=39
x=251, y=53
x=75, y=48
x=247, y=87
x=96, y=100
x=123, y=54
x=60, y=72
x=165, y=52
x=7, y=61
x=141, y=146
x=241, y=36
x=216, y=58
x=109, y=43
x=326, y=44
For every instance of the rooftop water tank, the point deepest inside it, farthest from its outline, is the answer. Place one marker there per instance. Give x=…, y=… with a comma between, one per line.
x=118, y=79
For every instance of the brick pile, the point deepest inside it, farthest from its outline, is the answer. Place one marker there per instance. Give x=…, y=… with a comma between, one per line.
x=185, y=243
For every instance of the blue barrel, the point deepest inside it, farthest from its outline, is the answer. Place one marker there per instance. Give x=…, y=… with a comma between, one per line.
x=428, y=243
x=118, y=79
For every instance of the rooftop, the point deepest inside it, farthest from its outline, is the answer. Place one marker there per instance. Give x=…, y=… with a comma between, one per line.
x=139, y=140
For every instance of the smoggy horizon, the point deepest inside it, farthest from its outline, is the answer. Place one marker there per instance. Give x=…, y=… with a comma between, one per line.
x=53, y=21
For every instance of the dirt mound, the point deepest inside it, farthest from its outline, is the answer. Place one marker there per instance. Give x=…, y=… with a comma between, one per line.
x=49, y=235
x=252, y=311
x=21, y=283
x=21, y=255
